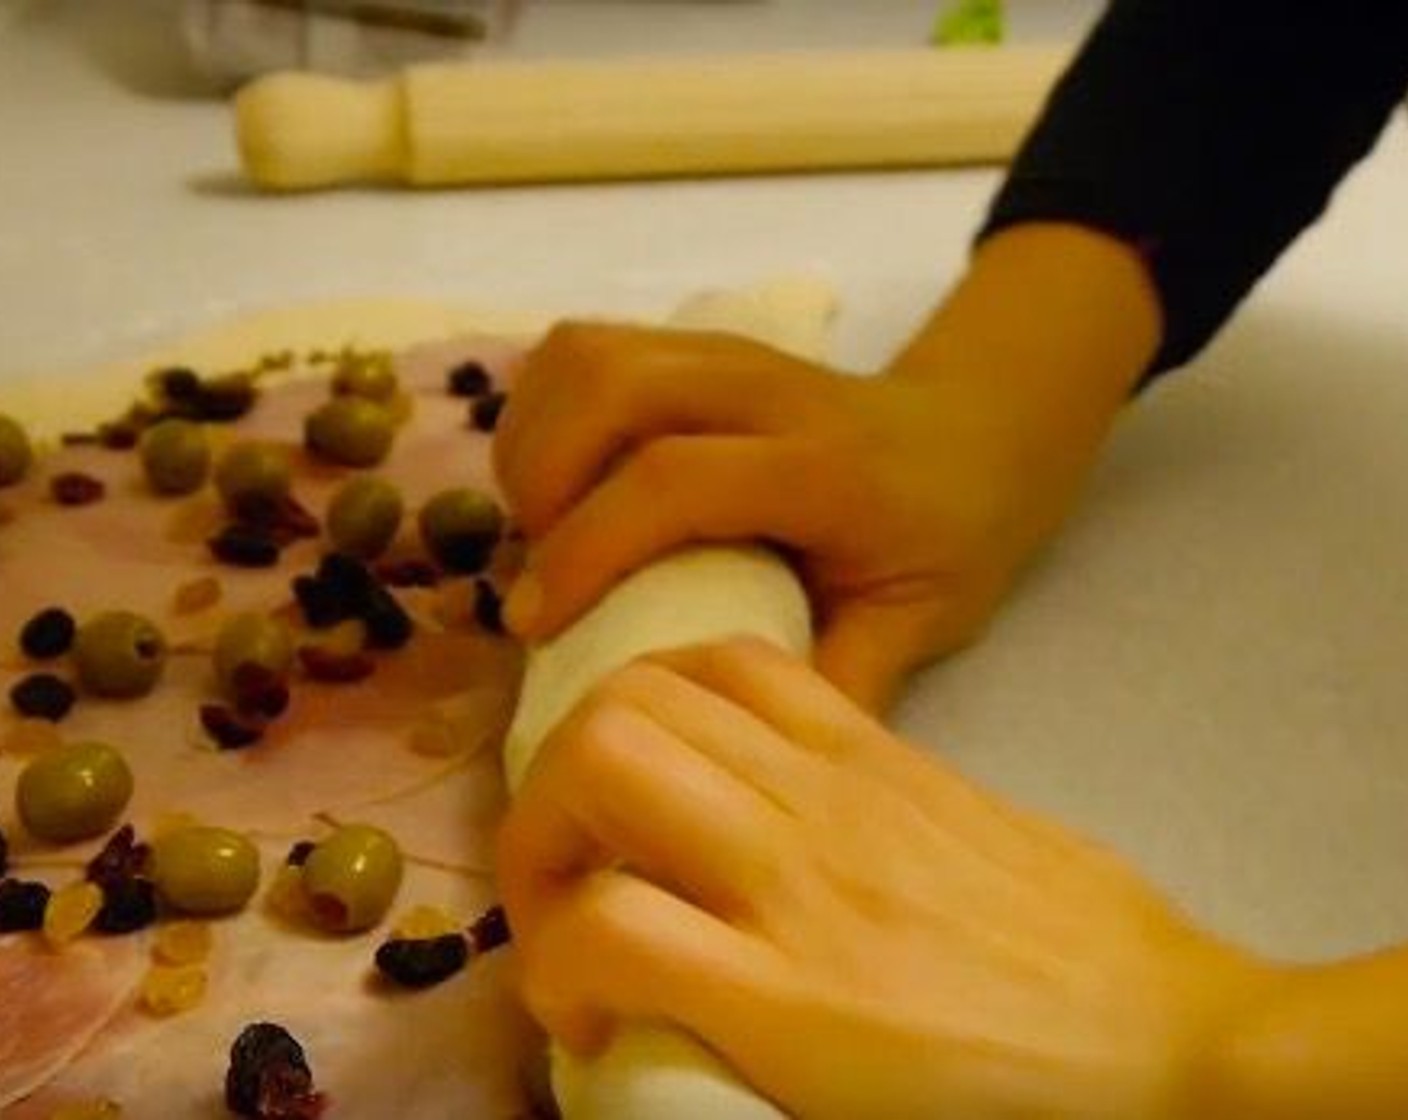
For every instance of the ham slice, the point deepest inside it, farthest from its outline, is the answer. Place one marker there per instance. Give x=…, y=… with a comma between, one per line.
x=413, y=749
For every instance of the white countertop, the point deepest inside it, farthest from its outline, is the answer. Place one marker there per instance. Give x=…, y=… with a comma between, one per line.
x=1208, y=668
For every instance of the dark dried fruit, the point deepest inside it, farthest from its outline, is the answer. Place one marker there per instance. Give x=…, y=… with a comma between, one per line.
x=388, y=624
x=230, y=732
x=119, y=435
x=128, y=905
x=43, y=696
x=22, y=905
x=335, y=668
x=469, y=379
x=268, y=1077
x=177, y=384
x=122, y=857
x=349, y=578
x=48, y=634
x=283, y=518
x=321, y=604
x=299, y=853
x=74, y=488
x=423, y=961
x=244, y=547
x=222, y=399
x=490, y=930
x=488, y=606
x=484, y=412
x=4, y=854
x=259, y=692
x=408, y=573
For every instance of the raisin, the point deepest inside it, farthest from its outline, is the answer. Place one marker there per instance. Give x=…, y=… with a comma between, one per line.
x=350, y=579
x=259, y=691
x=48, y=634
x=321, y=605
x=423, y=961
x=488, y=606
x=4, y=854
x=408, y=573
x=177, y=384
x=388, y=624
x=43, y=696
x=244, y=547
x=74, y=488
x=268, y=1077
x=229, y=731
x=299, y=853
x=284, y=519
x=222, y=399
x=484, y=412
x=122, y=857
x=119, y=435
x=128, y=905
x=490, y=930
x=22, y=905
x=468, y=379
x=335, y=668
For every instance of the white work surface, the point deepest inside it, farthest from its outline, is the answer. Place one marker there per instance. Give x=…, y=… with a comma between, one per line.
x=1209, y=669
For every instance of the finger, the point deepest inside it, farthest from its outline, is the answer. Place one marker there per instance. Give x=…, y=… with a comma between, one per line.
x=676, y=490
x=866, y=649
x=589, y=392
x=782, y=690
x=728, y=735
x=612, y=786
x=619, y=948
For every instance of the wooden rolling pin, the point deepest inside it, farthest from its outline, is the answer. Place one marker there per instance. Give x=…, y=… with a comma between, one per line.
x=494, y=122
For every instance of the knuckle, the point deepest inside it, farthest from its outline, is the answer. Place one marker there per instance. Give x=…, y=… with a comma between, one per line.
x=659, y=465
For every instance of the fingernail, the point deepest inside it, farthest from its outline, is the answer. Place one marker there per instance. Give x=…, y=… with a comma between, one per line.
x=524, y=604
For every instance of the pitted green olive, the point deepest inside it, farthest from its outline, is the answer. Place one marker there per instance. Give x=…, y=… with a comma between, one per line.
x=351, y=878
x=73, y=792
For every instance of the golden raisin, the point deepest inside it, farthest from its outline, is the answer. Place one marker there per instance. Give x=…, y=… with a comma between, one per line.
x=71, y=911
x=183, y=942
x=422, y=923
x=172, y=989
x=196, y=595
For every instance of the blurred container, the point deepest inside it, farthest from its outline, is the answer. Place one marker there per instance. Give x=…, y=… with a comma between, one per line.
x=233, y=40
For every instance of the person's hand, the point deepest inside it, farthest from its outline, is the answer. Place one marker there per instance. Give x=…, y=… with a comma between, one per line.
x=910, y=501
x=719, y=840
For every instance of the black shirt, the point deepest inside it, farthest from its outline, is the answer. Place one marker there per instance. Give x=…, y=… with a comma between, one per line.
x=1208, y=134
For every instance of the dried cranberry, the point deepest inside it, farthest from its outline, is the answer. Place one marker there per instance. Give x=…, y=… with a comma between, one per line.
x=488, y=606
x=469, y=379
x=48, y=634
x=74, y=488
x=244, y=547
x=283, y=519
x=43, y=696
x=408, y=573
x=22, y=905
x=119, y=435
x=490, y=930
x=268, y=1077
x=422, y=962
x=259, y=691
x=128, y=905
x=299, y=853
x=484, y=412
x=122, y=857
x=229, y=731
x=335, y=668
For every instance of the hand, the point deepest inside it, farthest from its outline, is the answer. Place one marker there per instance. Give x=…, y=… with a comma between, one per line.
x=910, y=501
x=718, y=839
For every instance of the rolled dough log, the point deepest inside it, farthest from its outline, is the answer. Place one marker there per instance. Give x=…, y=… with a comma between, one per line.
x=695, y=595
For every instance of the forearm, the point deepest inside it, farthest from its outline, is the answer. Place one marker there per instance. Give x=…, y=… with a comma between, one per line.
x=1323, y=1042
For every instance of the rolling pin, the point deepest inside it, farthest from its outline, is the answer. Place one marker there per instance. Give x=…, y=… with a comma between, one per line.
x=500, y=122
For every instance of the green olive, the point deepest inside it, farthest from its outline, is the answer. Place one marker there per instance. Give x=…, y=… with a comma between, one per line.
x=252, y=638
x=351, y=878
x=369, y=378
x=175, y=456
x=204, y=870
x=119, y=654
x=254, y=469
x=364, y=515
x=461, y=527
x=16, y=453
x=352, y=431
x=73, y=792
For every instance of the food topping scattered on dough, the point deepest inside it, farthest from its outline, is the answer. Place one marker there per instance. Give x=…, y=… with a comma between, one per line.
x=183, y=942
x=351, y=878
x=205, y=870
x=123, y=856
x=43, y=696
x=269, y=1077
x=128, y=905
x=468, y=379
x=372, y=376
x=119, y=654
x=76, y=791
x=196, y=595
x=22, y=905
x=227, y=730
x=488, y=606
x=460, y=528
x=48, y=634
x=70, y=912
x=424, y=961
x=484, y=412
x=16, y=452
x=175, y=456
x=172, y=989
x=490, y=930
x=75, y=488
x=242, y=546
x=350, y=431
x=364, y=516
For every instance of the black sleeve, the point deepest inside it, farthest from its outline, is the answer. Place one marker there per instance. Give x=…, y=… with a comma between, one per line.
x=1208, y=134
